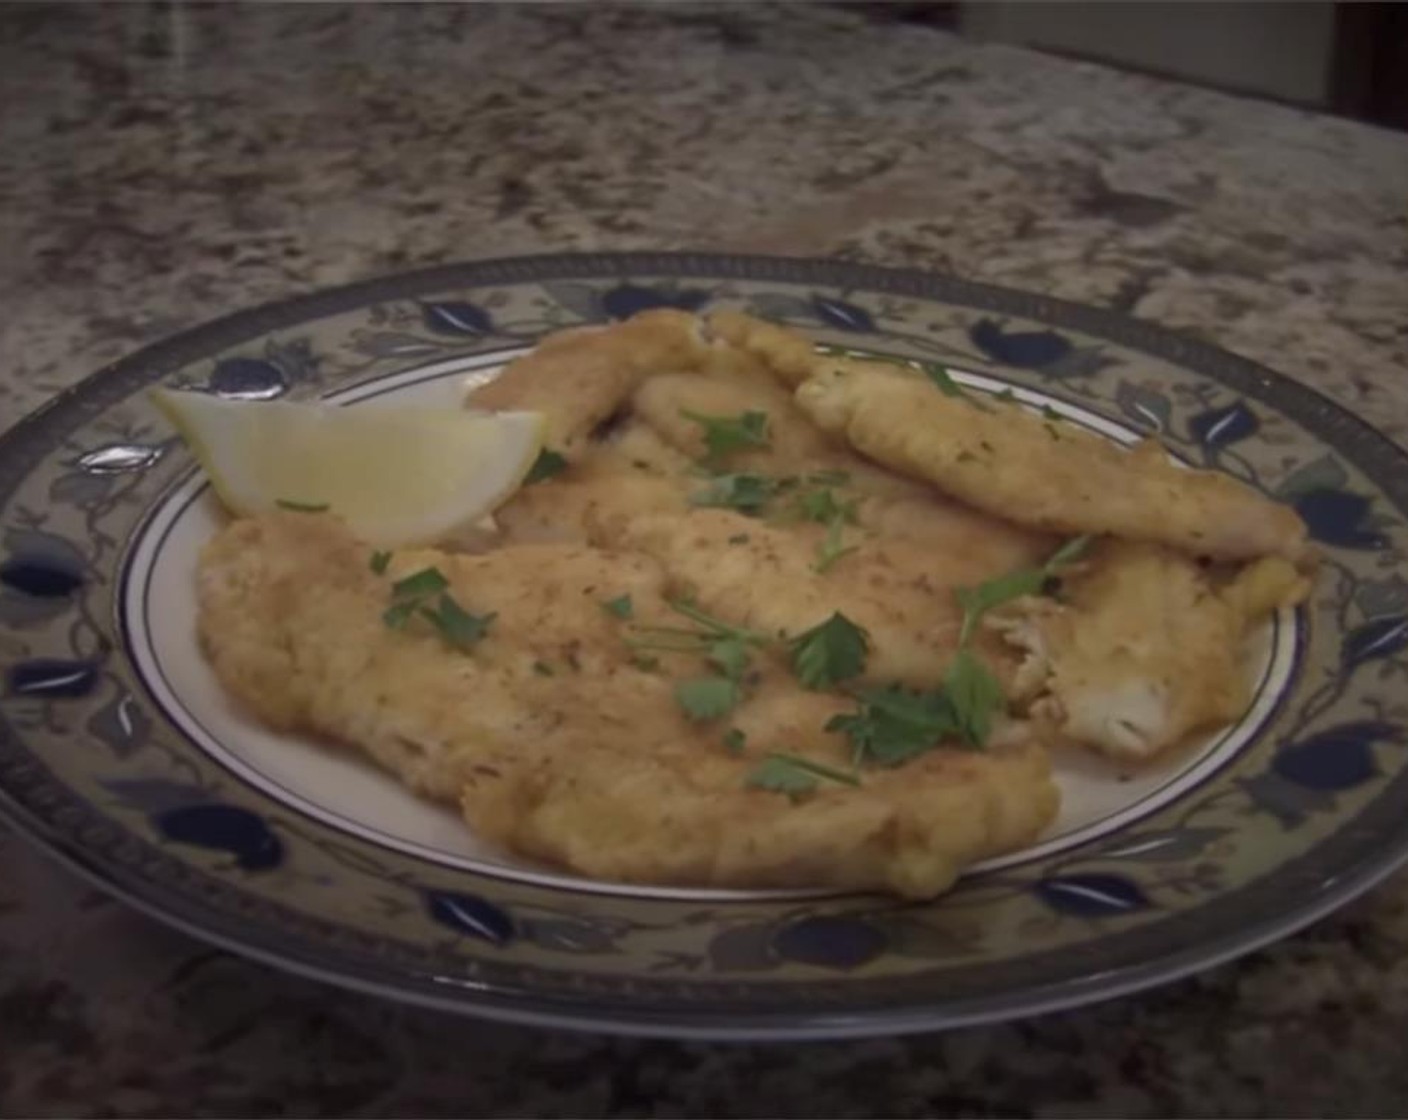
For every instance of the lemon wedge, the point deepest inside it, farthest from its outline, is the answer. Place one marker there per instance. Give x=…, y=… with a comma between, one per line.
x=396, y=475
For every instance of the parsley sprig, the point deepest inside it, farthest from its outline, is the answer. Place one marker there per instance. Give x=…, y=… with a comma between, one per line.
x=829, y=653
x=893, y=725
x=746, y=492
x=724, y=435
x=822, y=505
x=794, y=776
x=727, y=648
x=547, y=464
x=425, y=594
x=755, y=495
x=998, y=592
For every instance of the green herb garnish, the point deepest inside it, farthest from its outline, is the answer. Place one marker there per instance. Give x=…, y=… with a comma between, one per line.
x=951, y=388
x=831, y=548
x=821, y=506
x=892, y=725
x=829, y=653
x=726, y=434
x=457, y=626
x=378, y=562
x=706, y=698
x=747, y=493
x=418, y=585
x=725, y=646
x=303, y=507
x=734, y=740
x=730, y=656
x=794, y=776
x=620, y=606
x=974, y=696
x=411, y=596
x=408, y=595
x=398, y=614
x=977, y=601
x=547, y=464
x=542, y=668
x=944, y=380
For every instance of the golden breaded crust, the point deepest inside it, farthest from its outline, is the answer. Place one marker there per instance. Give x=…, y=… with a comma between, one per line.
x=1048, y=476
x=592, y=765
x=579, y=379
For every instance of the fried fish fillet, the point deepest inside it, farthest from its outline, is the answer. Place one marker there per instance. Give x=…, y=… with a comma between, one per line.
x=580, y=378
x=889, y=506
x=1147, y=650
x=559, y=746
x=763, y=577
x=1051, y=476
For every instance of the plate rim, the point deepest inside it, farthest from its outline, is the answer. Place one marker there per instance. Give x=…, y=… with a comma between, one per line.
x=108, y=385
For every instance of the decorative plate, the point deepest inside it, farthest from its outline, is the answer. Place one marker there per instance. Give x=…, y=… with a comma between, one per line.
x=119, y=754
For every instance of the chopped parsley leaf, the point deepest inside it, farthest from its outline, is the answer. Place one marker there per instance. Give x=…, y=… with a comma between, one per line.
x=731, y=656
x=794, y=776
x=410, y=596
x=547, y=464
x=829, y=653
x=1067, y=554
x=944, y=380
x=458, y=626
x=303, y=507
x=974, y=697
x=892, y=725
x=747, y=493
x=620, y=606
x=379, y=561
x=706, y=698
x=726, y=434
x=734, y=740
x=427, y=581
x=398, y=614
x=977, y=601
x=821, y=505
x=831, y=549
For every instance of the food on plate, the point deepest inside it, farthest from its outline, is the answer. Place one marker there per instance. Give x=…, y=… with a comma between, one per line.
x=1146, y=648
x=580, y=377
x=563, y=740
x=753, y=620
x=1041, y=472
x=397, y=475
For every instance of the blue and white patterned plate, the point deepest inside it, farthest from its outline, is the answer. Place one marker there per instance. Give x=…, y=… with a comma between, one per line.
x=119, y=753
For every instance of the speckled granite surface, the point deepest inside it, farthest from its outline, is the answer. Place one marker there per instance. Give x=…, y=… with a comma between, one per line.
x=160, y=166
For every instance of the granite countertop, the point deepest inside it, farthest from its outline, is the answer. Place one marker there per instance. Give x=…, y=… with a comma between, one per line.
x=163, y=165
